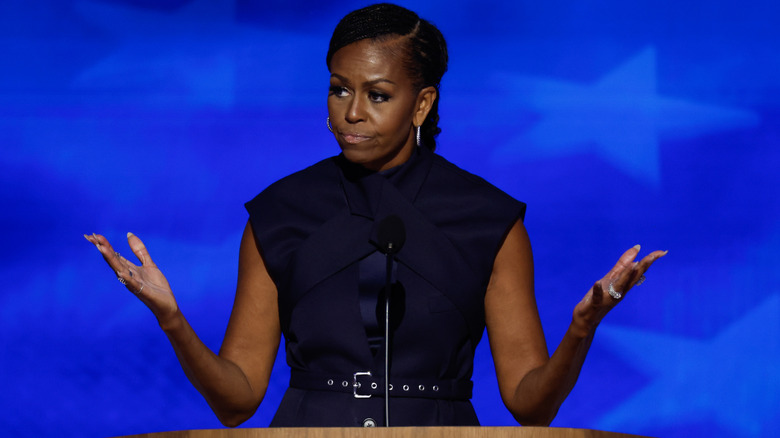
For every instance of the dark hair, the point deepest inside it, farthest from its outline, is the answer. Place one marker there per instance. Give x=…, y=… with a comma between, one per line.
x=424, y=48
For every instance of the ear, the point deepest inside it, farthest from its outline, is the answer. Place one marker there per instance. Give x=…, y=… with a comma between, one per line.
x=425, y=99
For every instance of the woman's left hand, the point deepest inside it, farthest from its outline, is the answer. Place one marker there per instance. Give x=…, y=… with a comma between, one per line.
x=613, y=287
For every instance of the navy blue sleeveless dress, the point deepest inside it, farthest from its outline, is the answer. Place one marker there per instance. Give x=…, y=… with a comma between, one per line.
x=317, y=230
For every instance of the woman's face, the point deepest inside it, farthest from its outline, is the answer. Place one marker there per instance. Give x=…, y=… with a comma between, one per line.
x=373, y=105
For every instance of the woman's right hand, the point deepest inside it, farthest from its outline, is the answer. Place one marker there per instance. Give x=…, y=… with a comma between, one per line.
x=145, y=281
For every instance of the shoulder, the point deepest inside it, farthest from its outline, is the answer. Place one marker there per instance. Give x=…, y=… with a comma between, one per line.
x=474, y=214
x=306, y=184
x=289, y=209
x=450, y=181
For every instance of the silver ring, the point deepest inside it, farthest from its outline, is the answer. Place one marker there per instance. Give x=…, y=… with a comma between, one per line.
x=613, y=293
x=641, y=280
x=117, y=254
x=122, y=280
x=140, y=290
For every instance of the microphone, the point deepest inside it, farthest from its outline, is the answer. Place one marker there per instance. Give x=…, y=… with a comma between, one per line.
x=391, y=235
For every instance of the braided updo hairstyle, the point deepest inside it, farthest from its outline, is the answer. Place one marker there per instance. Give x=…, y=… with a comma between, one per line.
x=423, y=47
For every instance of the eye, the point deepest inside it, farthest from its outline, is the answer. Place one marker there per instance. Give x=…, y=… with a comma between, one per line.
x=337, y=91
x=378, y=97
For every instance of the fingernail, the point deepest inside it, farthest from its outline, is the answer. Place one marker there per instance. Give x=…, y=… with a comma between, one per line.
x=129, y=234
x=637, y=247
x=86, y=237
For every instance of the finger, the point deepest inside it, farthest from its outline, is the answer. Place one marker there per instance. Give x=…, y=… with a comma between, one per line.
x=624, y=279
x=132, y=280
x=93, y=239
x=90, y=239
x=649, y=259
x=126, y=272
x=139, y=249
x=102, y=244
x=625, y=261
x=597, y=296
x=118, y=264
x=626, y=271
x=645, y=264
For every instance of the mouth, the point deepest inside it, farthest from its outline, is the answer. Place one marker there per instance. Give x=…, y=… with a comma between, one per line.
x=353, y=137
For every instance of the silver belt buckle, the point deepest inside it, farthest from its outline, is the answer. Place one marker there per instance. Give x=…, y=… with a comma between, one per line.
x=356, y=384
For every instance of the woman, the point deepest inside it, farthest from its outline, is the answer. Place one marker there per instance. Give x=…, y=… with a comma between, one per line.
x=310, y=265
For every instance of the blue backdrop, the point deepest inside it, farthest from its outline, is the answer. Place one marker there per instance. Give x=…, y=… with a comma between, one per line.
x=617, y=122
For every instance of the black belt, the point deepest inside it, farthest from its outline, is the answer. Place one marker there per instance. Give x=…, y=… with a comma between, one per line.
x=363, y=385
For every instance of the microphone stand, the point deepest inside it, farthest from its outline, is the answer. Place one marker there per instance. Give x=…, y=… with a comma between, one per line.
x=388, y=288
x=391, y=237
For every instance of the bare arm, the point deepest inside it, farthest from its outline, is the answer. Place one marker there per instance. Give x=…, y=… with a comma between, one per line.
x=533, y=385
x=233, y=382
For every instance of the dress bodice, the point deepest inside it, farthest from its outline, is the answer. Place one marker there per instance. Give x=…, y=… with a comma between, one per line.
x=317, y=230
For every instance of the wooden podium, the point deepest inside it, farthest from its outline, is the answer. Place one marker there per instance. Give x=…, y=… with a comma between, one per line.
x=391, y=432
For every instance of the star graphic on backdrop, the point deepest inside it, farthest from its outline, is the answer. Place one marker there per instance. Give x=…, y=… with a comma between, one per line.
x=621, y=118
x=731, y=379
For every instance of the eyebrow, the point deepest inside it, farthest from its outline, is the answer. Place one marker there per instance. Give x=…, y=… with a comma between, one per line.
x=367, y=83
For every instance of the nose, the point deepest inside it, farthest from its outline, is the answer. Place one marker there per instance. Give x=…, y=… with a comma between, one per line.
x=354, y=111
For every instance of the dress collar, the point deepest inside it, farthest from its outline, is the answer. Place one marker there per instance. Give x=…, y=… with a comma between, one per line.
x=363, y=187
